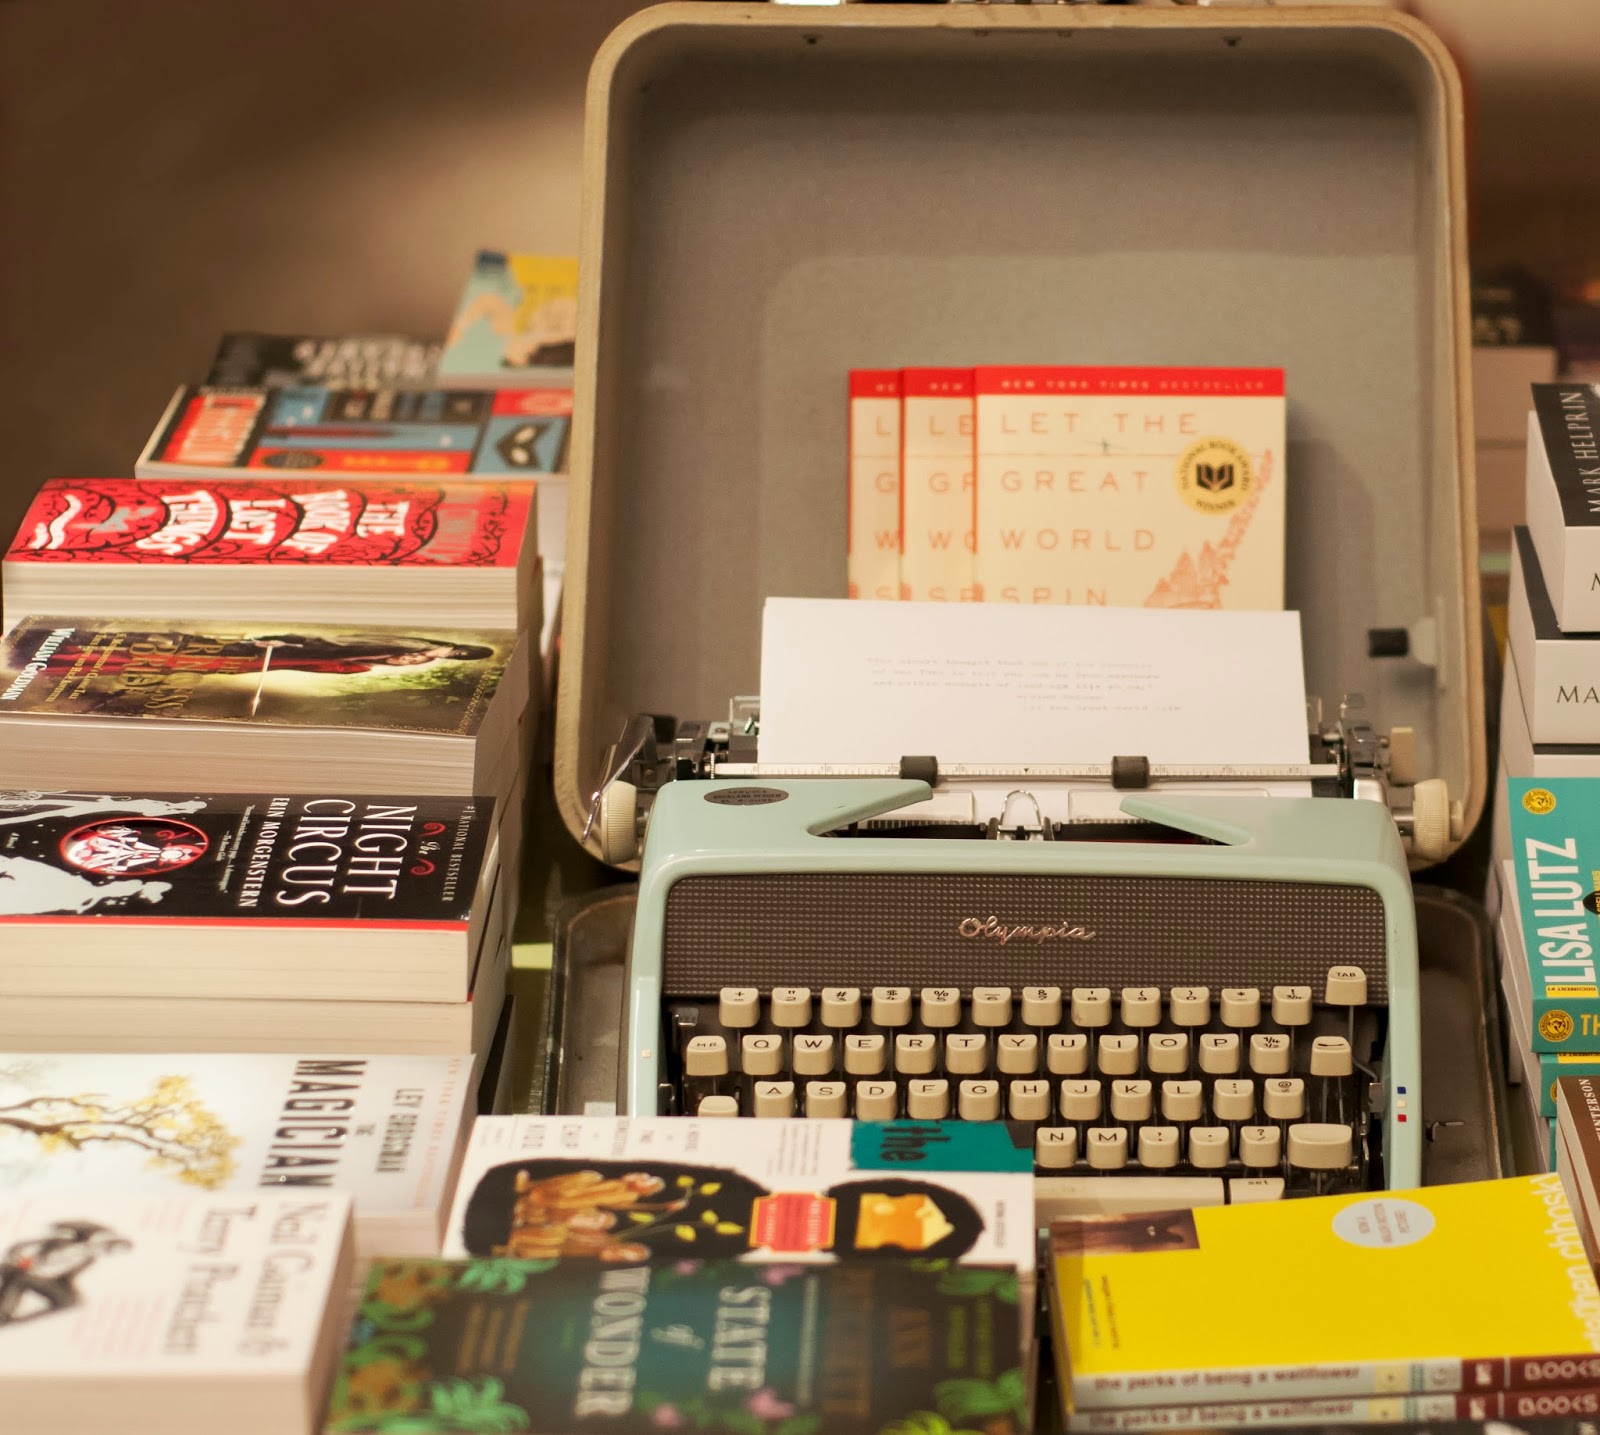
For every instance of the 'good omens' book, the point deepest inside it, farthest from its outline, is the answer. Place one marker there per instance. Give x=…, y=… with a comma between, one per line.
x=93, y=702
x=384, y=1130
x=556, y=1347
x=298, y=897
x=371, y=550
x=149, y=1314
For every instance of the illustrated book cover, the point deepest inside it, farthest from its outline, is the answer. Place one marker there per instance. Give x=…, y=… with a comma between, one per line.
x=516, y=322
x=1131, y=487
x=276, y=361
x=384, y=1130
x=1484, y=1286
x=776, y=1348
x=426, y=433
x=144, y=1313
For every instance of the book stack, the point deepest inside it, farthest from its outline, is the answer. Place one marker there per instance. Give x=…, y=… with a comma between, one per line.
x=1125, y=487
x=1471, y=1302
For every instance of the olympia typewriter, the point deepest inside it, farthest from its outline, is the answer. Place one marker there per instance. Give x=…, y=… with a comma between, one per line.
x=1202, y=998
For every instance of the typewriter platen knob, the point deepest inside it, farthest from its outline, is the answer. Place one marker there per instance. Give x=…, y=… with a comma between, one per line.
x=1430, y=818
x=619, y=822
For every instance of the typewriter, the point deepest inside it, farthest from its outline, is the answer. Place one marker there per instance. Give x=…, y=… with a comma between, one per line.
x=1171, y=997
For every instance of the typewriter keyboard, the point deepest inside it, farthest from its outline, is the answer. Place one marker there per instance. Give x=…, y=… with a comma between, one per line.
x=1220, y=1095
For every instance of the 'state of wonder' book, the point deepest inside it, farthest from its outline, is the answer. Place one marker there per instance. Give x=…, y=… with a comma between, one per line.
x=418, y=681
x=1555, y=849
x=361, y=432
x=555, y=1346
x=384, y=1130
x=1472, y=1287
x=312, y=521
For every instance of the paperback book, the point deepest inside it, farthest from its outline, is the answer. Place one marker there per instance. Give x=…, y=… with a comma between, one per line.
x=936, y=486
x=874, y=559
x=1131, y=487
x=852, y=1348
x=149, y=1313
x=516, y=323
x=367, y=433
x=385, y=1131
x=1555, y=847
x=84, y=701
x=1485, y=1287
x=252, y=895
x=277, y=361
x=1578, y=1153
x=370, y=550
x=1563, y=499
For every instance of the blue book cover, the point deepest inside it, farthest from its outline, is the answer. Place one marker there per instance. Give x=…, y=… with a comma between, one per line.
x=516, y=322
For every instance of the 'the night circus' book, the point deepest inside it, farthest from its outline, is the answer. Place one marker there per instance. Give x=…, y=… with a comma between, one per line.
x=384, y=1130
x=150, y=1313
x=327, y=896
x=556, y=1346
x=275, y=361
x=516, y=322
x=370, y=550
x=427, y=433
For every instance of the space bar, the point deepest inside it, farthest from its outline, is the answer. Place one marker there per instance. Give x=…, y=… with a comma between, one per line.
x=1058, y=1196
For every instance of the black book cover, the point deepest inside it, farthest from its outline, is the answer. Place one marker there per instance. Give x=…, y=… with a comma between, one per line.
x=395, y=861
x=249, y=360
x=1569, y=421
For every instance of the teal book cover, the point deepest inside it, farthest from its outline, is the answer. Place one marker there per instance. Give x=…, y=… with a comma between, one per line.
x=559, y=1347
x=1555, y=849
x=1554, y=1065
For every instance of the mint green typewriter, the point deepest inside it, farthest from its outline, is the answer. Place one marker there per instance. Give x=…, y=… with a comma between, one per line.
x=1205, y=998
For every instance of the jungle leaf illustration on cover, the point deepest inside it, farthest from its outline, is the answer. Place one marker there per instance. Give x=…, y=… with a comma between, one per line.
x=433, y=681
x=899, y=1348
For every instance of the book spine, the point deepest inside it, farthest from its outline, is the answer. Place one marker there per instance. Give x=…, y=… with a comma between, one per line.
x=1355, y=1410
x=1569, y=425
x=874, y=529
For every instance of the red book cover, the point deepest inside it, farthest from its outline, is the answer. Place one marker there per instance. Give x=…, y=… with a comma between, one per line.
x=317, y=521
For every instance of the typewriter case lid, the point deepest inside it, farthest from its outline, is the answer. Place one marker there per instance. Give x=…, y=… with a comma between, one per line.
x=774, y=195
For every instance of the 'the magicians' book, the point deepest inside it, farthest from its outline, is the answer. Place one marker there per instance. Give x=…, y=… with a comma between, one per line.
x=151, y=1313
x=1473, y=1287
x=88, y=703
x=383, y=1130
x=372, y=551
x=1555, y=849
x=276, y=361
x=368, y=433
x=327, y=896
x=551, y=1347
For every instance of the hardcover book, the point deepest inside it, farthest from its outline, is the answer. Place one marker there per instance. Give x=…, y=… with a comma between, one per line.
x=1563, y=499
x=86, y=701
x=556, y=1346
x=1559, y=672
x=368, y=361
x=367, y=433
x=263, y=895
x=1485, y=1286
x=1520, y=755
x=385, y=1131
x=874, y=559
x=370, y=550
x=147, y=1314
x=516, y=323
x=936, y=486
x=1555, y=853
x=1131, y=487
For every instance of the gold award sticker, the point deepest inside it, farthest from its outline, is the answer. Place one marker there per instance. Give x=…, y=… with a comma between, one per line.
x=1539, y=800
x=1555, y=1025
x=1214, y=475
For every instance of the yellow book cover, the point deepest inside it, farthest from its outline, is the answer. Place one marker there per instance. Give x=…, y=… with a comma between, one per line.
x=1479, y=1286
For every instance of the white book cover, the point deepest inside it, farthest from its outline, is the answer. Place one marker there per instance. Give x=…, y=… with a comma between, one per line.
x=132, y=1312
x=1563, y=498
x=385, y=1130
x=1520, y=755
x=936, y=486
x=874, y=557
x=1131, y=487
x=1559, y=670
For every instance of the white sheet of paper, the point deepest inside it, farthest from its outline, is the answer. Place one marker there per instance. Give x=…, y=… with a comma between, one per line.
x=868, y=682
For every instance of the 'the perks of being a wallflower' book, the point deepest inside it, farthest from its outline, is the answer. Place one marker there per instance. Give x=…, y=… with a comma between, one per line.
x=557, y=1346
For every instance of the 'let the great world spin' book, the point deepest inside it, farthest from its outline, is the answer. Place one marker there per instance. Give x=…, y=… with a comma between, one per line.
x=360, y=432
x=1555, y=850
x=1479, y=1286
x=384, y=1130
x=1131, y=487
x=265, y=895
x=559, y=1346
x=146, y=1314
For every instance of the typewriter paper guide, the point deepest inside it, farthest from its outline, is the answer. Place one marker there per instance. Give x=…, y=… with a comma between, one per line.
x=998, y=684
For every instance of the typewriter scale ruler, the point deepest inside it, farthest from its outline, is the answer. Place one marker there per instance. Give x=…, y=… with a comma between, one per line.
x=1050, y=772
